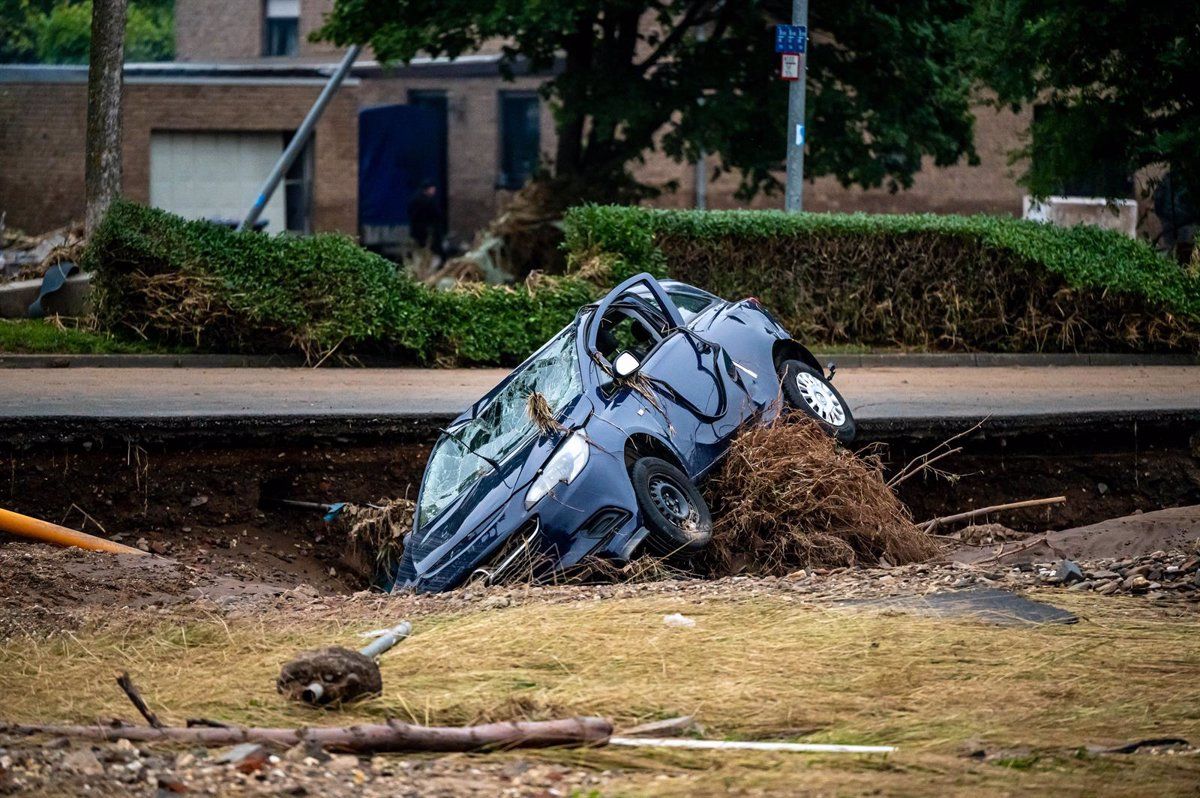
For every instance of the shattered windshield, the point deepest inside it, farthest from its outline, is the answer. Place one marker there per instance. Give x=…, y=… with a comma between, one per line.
x=464, y=454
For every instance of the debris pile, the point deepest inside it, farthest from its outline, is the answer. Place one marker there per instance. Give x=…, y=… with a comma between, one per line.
x=124, y=768
x=1154, y=574
x=788, y=496
x=377, y=531
x=27, y=257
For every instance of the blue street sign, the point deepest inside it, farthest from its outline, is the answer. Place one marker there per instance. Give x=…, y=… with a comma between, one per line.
x=791, y=38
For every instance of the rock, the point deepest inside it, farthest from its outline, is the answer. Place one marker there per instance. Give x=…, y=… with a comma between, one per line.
x=1108, y=588
x=1101, y=488
x=1068, y=571
x=1136, y=584
x=143, y=544
x=343, y=763
x=678, y=621
x=247, y=757
x=1085, y=585
x=168, y=783
x=160, y=548
x=84, y=762
x=197, y=501
x=1189, y=565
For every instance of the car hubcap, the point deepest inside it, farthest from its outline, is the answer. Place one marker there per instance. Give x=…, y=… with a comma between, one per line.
x=821, y=398
x=672, y=502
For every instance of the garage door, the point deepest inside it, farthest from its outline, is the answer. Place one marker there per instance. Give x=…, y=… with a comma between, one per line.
x=214, y=175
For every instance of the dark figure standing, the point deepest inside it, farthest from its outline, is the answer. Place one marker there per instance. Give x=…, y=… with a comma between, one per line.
x=427, y=226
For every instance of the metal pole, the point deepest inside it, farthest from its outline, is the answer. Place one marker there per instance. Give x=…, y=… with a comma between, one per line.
x=702, y=157
x=794, y=202
x=300, y=139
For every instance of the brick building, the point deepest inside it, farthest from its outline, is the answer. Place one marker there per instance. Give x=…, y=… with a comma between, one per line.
x=201, y=133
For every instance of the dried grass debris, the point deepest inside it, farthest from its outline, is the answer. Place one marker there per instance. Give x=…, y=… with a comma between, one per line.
x=788, y=496
x=377, y=530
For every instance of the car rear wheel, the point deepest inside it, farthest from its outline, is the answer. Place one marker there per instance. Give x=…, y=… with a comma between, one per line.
x=807, y=390
x=672, y=508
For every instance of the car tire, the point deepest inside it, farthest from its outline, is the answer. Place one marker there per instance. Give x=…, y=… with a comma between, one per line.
x=807, y=390
x=672, y=508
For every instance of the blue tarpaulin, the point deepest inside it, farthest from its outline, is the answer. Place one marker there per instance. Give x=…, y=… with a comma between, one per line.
x=399, y=148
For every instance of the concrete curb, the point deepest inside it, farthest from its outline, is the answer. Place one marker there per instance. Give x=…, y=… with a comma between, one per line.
x=881, y=360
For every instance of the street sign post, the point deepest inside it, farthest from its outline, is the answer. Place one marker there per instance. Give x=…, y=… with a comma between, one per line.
x=793, y=39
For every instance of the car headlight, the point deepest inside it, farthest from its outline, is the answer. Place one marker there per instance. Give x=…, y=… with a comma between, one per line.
x=563, y=466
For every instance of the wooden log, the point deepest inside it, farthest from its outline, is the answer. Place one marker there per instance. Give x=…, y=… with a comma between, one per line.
x=390, y=737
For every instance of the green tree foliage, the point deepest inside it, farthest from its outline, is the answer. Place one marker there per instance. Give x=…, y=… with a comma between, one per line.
x=59, y=31
x=886, y=87
x=1120, y=79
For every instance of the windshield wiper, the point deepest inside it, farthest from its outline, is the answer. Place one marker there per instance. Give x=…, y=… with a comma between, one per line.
x=495, y=466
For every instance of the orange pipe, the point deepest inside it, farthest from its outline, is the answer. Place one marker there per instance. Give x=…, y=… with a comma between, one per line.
x=26, y=527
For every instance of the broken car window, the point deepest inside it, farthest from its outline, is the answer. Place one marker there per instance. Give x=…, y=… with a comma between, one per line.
x=502, y=426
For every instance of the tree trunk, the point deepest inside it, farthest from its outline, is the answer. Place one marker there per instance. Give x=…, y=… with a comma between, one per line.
x=390, y=737
x=102, y=174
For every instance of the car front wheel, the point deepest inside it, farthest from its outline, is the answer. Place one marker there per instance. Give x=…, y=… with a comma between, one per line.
x=672, y=508
x=807, y=390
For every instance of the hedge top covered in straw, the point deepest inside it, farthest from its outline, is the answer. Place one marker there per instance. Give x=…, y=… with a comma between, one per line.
x=928, y=282
x=941, y=282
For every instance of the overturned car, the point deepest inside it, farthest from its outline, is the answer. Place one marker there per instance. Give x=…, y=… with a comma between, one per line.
x=593, y=447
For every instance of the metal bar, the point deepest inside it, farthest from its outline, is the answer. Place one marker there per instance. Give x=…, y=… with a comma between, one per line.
x=742, y=745
x=296, y=145
x=386, y=640
x=794, y=198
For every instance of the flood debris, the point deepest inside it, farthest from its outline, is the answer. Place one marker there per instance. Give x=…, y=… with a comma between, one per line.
x=376, y=531
x=787, y=496
x=335, y=675
x=390, y=737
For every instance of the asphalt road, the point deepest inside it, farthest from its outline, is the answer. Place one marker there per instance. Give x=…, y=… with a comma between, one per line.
x=874, y=394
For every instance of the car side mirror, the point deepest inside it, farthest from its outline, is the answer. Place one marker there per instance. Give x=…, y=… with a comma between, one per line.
x=626, y=364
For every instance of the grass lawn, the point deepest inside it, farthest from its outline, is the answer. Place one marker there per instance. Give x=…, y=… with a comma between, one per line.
x=767, y=667
x=38, y=336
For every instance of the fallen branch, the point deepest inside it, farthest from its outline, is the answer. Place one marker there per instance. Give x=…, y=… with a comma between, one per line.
x=390, y=737
x=135, y=697
x=995, y=508
x=926, y=465
x=1025, y=546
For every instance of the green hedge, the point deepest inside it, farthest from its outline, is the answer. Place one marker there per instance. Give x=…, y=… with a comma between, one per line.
x=940, y=282
x=175, y=282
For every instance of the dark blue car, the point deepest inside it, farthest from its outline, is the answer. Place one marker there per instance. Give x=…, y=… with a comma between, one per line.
x=593, y=447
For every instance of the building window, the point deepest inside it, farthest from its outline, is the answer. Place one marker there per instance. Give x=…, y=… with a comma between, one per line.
x=438, y=102
x=520, y=137
x=281, y=27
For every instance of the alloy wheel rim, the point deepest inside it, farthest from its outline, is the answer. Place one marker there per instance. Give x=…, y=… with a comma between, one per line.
x=820, y=398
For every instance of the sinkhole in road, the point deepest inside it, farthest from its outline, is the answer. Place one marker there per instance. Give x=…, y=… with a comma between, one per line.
x=201, y=502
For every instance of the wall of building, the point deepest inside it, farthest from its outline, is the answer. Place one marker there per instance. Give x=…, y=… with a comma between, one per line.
x=42, y=141
x=218, y=30
x=990, y=187
x=473, y=139
x=42, y=132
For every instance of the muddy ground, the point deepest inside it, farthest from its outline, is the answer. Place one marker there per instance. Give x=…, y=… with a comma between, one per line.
x=209, y=506
x=221, y=548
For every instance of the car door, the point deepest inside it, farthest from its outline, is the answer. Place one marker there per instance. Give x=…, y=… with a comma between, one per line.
x=692, y=383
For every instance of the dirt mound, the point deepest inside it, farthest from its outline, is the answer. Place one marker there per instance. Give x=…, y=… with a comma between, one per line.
x=788, y=496
x=1175, y=529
